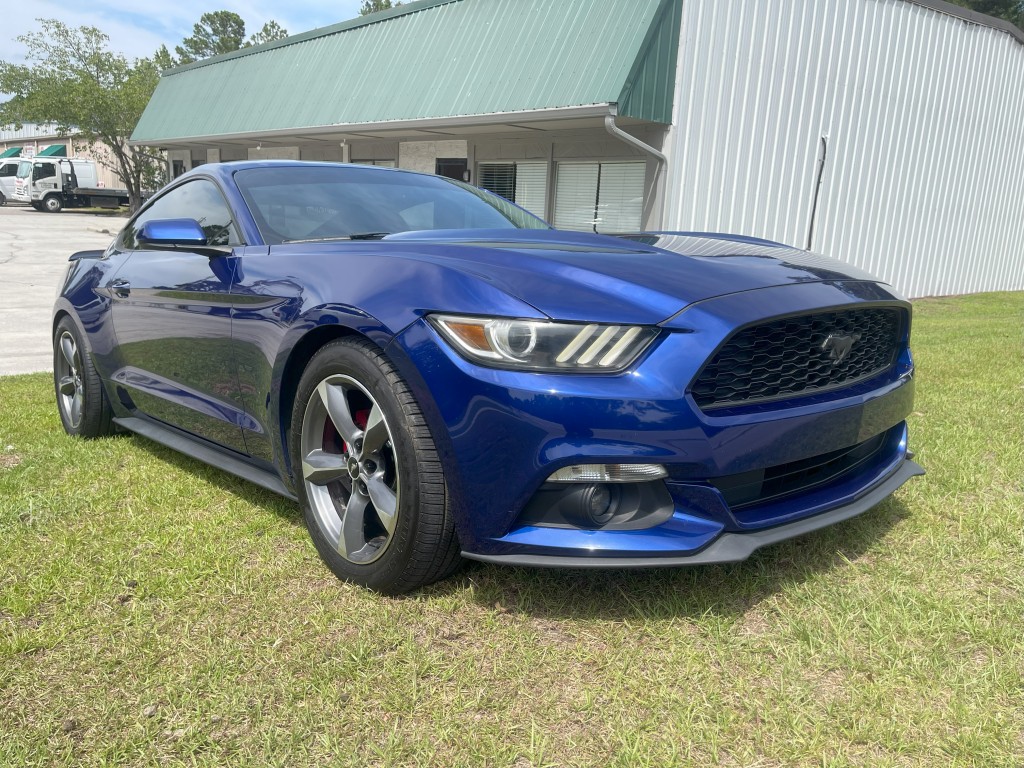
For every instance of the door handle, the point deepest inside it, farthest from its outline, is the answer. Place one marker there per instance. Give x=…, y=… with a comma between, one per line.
x=120, y=288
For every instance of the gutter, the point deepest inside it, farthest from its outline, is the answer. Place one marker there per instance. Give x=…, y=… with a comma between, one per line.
x=633, y=141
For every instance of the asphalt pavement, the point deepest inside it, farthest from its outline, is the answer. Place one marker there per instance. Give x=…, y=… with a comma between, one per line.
x=34, y=250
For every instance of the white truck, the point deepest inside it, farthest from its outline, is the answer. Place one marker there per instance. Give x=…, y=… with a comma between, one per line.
x=55, y=183
x=8, y=172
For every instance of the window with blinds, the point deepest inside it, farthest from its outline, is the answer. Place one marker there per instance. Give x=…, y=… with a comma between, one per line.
x=602, y=197
x=525, y=184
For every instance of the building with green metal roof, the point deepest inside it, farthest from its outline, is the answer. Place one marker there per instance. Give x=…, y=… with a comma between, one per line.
x=808, y=123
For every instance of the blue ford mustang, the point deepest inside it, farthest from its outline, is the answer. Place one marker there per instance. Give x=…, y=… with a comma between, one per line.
x=433, y=372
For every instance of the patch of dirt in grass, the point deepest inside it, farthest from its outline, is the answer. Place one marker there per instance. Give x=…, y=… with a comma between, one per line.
x=828, y=684
x=9, y=460
x=754, y=622
x=552, y=633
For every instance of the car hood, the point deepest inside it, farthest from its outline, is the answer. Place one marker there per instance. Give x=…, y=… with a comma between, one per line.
x=643, y=279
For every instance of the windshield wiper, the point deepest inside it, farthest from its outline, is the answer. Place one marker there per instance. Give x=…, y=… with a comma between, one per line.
x=355, y=236
x=369, y=236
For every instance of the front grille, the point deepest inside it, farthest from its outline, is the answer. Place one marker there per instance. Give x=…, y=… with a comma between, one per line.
x=761, y=486
x=800, y=355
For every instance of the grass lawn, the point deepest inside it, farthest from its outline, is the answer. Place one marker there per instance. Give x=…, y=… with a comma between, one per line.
x=156, y=611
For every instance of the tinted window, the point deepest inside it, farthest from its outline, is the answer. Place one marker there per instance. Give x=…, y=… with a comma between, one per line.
x=199, y=200
x=294, y=203
x=8, y=169
x=44, y=171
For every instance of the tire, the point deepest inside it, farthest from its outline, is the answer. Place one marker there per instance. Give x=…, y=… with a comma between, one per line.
x=368, y=475
x=53, y=204
x=37, y=206
x=81, y=401
x=3, y=199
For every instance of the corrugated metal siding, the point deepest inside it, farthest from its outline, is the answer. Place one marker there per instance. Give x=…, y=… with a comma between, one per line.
x=924, y=117
x=649, y=88
x=459, y=58
x=28, y=131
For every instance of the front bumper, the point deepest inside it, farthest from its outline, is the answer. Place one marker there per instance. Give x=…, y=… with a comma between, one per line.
x=729, y=547
x=502, y=433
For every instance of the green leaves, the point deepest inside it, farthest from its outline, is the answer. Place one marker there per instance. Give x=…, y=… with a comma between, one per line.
x=73, y=79
x=215, y=33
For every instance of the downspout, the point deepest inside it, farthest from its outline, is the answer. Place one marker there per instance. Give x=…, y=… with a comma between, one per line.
x=633, y=141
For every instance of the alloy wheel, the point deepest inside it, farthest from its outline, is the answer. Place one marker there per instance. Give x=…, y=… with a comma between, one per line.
x=350, y=469
x=69, y=380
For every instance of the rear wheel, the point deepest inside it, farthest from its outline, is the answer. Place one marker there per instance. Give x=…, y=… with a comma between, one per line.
x=53, y=204
x=370, y=481
x=81, y=401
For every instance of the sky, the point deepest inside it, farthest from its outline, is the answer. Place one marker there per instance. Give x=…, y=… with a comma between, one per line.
x=137, y=31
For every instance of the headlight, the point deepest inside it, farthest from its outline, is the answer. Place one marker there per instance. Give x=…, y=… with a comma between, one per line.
x=545, y=346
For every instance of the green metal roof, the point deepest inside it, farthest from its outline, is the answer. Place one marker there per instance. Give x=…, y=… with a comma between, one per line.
x=54, y=150
x=430, y=59
x=10, y=152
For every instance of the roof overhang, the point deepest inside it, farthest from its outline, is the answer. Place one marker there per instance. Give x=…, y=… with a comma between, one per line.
x=427, y=129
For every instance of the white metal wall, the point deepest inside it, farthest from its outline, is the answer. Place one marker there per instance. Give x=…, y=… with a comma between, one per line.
x=923, y=115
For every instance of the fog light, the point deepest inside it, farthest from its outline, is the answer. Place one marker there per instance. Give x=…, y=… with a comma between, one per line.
x=608, y=473
x=597, y=504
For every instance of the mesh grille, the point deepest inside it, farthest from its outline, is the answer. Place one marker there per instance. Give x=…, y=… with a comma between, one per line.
x=799, y=355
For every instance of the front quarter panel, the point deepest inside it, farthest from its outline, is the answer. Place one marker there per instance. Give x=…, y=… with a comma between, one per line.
x=82, y=297
x=285, y=293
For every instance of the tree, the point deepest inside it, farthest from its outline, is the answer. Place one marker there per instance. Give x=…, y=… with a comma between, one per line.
x=163, y=59
x=71, y=78
x=215, y=33
x=1011, y=10
x=372, y=6
x=271, y=31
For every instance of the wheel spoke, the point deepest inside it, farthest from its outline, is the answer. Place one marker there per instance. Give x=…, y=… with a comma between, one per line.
x=353, y=534
x=376, y=432
x=76, y=408
x=384, y=501
x=321, y=468
x=67, y=348
x=67, y=386
x=336, y=402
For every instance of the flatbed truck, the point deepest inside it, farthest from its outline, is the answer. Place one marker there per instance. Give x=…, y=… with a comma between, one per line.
x=54, y=183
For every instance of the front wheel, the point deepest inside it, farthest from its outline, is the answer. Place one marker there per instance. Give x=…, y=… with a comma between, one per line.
x=370, y=481
x=81, y=401
x=53, y=204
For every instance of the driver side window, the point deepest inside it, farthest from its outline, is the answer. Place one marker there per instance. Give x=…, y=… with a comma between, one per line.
x=199, y=200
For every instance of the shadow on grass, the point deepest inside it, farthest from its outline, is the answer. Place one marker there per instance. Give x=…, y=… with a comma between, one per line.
x=284, y=508
x=727, y=591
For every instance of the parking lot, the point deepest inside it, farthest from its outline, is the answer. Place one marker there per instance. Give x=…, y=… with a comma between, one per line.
x=33, y=255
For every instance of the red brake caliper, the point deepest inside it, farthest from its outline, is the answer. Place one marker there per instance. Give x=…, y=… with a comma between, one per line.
x=333, y=441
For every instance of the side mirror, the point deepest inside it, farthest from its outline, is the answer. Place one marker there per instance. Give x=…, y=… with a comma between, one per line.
x=184, y=233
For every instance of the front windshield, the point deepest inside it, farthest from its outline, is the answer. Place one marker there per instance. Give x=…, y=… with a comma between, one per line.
x=296, y=203
x=24, y=169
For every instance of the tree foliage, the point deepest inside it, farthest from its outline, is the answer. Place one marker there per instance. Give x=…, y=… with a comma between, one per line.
x=215, y=33
x=270, y=32
x=1011, y=10
x=73, y=79
x=372, y=6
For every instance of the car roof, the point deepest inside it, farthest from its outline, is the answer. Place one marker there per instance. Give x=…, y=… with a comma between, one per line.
x=225, y=171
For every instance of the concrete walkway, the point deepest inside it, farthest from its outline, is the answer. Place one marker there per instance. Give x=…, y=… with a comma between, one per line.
x=34, y=248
